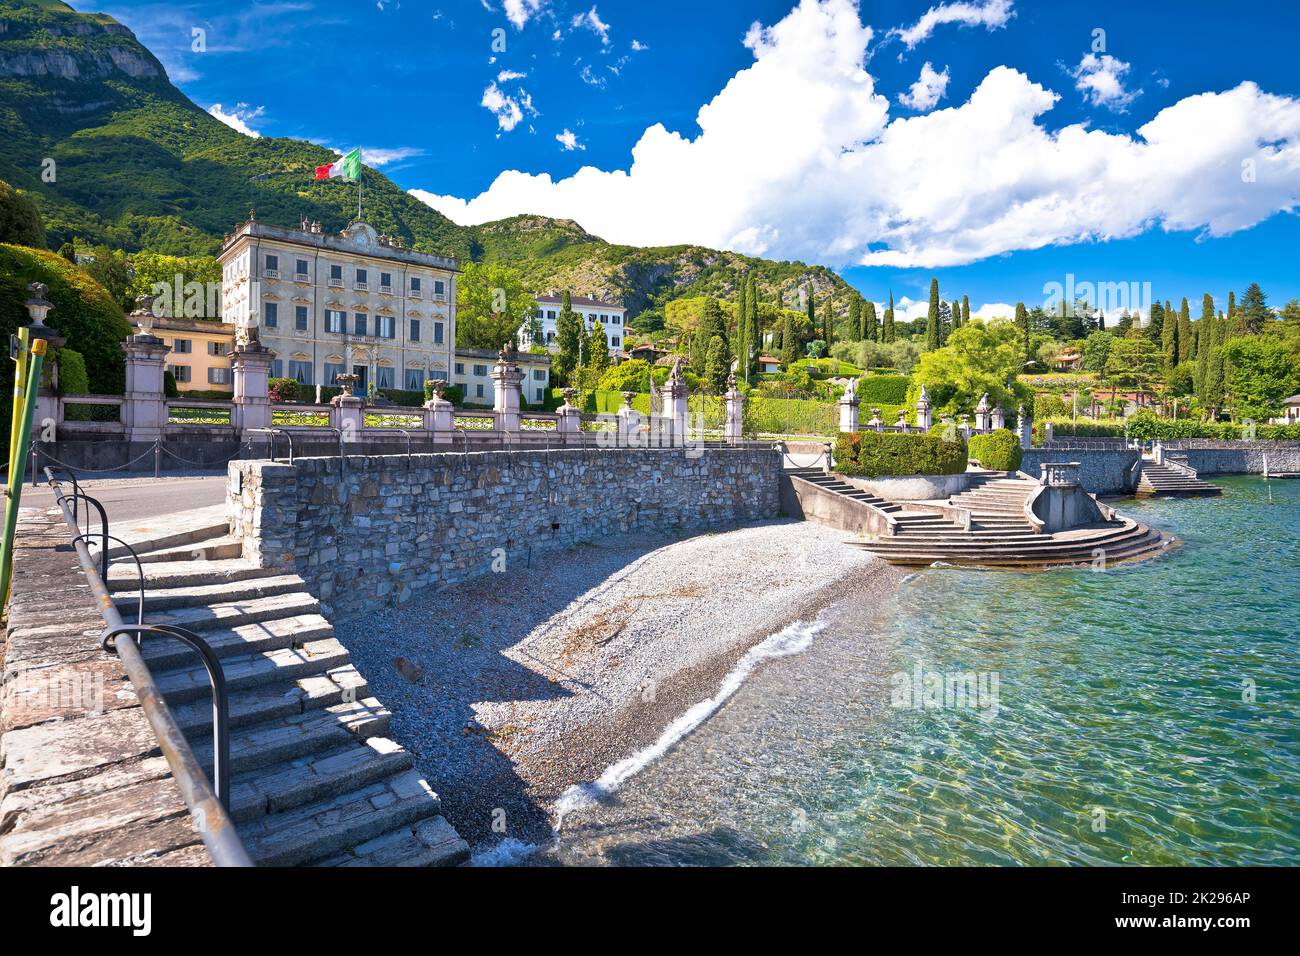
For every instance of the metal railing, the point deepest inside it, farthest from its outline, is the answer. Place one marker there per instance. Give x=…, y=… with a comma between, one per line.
x=209, y=809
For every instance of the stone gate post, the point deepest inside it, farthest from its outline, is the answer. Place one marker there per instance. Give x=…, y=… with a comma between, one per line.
x=506, y=377
x=735, y=411
x=347, y=411
x=144, y=409
x=923, y=420
x=250, y=365
x=438, y=419
x=676, y=415
x=849, y=409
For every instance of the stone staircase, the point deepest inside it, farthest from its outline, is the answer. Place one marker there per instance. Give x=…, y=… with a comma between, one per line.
x=314, y=779
x=1000, y=534
x=1168, y=481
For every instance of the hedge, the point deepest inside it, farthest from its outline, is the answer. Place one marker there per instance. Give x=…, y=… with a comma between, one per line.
x=1167, y=429
x=883, y=390
x=998, y=450
x=881, y=454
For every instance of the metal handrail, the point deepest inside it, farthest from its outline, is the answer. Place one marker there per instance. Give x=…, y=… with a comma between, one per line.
x=273, y=432
x=208, y=811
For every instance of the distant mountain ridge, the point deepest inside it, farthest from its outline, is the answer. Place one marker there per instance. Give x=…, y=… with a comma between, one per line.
x=137, y=165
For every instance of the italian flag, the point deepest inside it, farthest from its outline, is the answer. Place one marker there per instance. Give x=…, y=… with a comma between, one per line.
x=348, y=167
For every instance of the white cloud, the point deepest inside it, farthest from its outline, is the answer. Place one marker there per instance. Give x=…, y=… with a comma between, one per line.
x=994, y=310
x=569, y=141
x=505, y=108
x=990, y=14
x=519, y=12
x=927, y=90
x=839, y=180
x=1101, y=80
x=378, y=157
x=238, y=118
x=638, y=46
x=591, y=20
x=505, y=76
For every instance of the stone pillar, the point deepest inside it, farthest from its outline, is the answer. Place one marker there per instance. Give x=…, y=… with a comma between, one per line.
x=999, y=419
x=570, y=417
x=901, y=424
x=629, y=423
x=1048, y=431
x=876, y=424
x=144, y=409
x=347, y=411
x=438, y=419
x=506, y=378
x=923, y=421
x=982, y=416
x=735, y=411
x=250, y=365
x=1024, y=428
x=964, y=425
x=676, y=408
x=849, y=410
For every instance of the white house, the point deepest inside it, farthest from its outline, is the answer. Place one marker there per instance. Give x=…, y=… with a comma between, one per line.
x=613, y=318
x=1290, y=411
x=472, y=371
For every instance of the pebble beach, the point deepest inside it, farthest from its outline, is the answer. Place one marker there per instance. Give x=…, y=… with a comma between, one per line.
x=521, y=686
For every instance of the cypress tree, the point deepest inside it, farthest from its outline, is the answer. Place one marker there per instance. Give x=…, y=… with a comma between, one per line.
x=828, y=324
x=742, y=315
x=1232, y=317
x=812, y=311
x=1155, y=327
x=716, y=366
x=755, y=329
x=569, y=334
x=932, y=332
x=789, y=349
x=887, y=330
x=956, y=314
x=1184, y=333
x=1169, y=339
x=870, y=324
x=855, y=318
x=965, y=309
x=1022, y=323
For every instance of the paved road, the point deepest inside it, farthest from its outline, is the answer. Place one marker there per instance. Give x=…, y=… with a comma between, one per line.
x=129, y=499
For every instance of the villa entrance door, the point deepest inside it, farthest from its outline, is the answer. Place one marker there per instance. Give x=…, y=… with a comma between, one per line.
x=363, y=379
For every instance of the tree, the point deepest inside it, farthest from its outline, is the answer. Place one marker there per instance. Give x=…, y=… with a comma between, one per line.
x=980, y=357
x=1096, y=350
x=965, y=309
x=1204, y=345
x=20, y=222
x=1133, y=364
x=1022, y=324
x=568, y=339
x=1155, y=327
x=491, y=304
x=856, y=331
x=1254, y=311
x=887, y=329
x=188, y=286
x=789, y=347
x=1261, y=372
x=716, y=366
x=1169, y=340
x=595, y=355
x=1185, y=343
x=933, y=334
x=828, y=322
x=870, y=324
x=956, y=314
x=1290, y=314
x=811, y=305
x=69, y=252
x=111, y=270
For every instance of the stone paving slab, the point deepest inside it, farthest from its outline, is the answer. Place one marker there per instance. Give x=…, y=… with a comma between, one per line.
x=82, y=781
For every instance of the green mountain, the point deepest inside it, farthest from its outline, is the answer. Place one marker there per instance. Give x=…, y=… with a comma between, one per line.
x=113, y=153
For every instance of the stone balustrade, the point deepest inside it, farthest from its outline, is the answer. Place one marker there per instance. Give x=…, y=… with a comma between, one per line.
x=1061, y=474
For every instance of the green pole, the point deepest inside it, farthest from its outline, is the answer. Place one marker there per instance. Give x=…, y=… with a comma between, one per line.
x=18, y=462
x=20, y=380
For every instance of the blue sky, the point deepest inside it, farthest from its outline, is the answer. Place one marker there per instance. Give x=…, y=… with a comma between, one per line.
x=979, y=193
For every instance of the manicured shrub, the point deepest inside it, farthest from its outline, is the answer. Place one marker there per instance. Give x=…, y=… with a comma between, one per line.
x=882, y=454
x=998, y=450
x=883, y=390
x=170, y=388
x=73, y=379
x=283, y=390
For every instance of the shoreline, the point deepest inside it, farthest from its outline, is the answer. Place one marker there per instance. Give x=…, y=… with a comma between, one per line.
x=510, y=695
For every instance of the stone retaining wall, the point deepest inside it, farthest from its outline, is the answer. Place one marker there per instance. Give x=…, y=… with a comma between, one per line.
x=369, y=532
x=1246, y=458
x=1101, y=472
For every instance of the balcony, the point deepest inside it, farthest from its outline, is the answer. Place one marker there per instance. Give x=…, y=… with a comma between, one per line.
x=440, y=297
x=415, y=294
x=302, y=277
x=361, y=286
x=335, y=283
x=385, y=289
x=270, y=273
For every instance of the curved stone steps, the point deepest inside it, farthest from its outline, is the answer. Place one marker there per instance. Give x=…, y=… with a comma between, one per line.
x=1124, y=542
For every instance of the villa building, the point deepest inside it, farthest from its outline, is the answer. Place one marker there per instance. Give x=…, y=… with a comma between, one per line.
x=327, y=304
x=200, y=352
x=613, y=318
x=1290, y=411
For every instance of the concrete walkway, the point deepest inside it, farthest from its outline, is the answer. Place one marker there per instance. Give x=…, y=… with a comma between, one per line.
x=130, y=499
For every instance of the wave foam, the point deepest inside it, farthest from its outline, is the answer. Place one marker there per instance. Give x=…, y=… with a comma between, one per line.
x=791, y=640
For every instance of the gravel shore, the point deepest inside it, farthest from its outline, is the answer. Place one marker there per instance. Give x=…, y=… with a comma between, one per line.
x=512, y=688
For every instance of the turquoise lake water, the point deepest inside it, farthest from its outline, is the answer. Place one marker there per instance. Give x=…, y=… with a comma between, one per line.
x=1148, y=715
